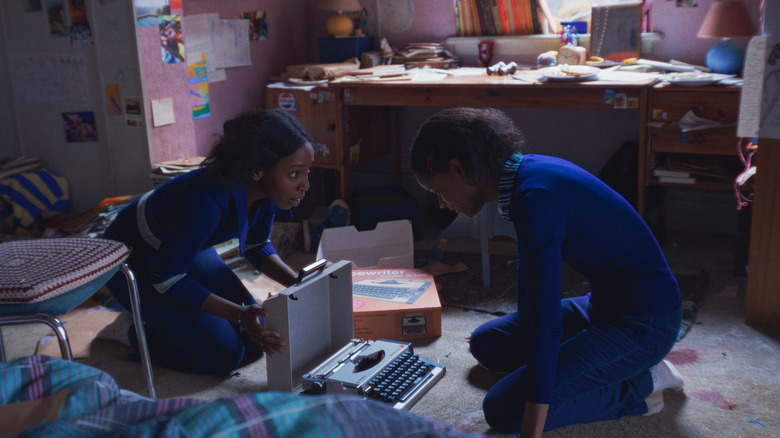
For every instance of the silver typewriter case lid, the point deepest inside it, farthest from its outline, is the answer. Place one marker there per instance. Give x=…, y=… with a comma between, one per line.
x=314, y=317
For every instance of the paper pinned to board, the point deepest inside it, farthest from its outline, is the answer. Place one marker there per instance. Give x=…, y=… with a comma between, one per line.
x=759, y=111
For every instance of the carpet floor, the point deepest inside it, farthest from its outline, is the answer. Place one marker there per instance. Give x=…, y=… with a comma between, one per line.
x=464, y=289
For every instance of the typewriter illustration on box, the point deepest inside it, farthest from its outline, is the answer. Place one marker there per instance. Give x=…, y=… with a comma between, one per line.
x=398, y=290
x=321, y=355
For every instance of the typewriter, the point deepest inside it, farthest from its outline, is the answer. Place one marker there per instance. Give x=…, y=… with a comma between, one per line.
x=385, y=370
x=321, y=355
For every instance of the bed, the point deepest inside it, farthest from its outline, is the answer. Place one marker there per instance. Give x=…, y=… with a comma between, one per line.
x=42, y=396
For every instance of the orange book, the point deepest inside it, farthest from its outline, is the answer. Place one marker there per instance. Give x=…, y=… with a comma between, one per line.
x=468, y=26
x=459, y=12
x=502, y=7
x=496, y=10
x=516, y=17
x=475, y=17
x=523, y=8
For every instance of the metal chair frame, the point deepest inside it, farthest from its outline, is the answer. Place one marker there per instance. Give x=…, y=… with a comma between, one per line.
x=62, y=336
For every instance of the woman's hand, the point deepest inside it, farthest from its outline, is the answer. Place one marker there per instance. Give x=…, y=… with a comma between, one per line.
x=268, y=340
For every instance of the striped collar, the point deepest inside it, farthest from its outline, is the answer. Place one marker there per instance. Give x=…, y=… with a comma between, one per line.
x=506, y=183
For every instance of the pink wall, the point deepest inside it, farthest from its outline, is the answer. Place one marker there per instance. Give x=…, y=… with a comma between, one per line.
x=242, y=91
x=294, y=28
x=244, y=88
x=167, y=142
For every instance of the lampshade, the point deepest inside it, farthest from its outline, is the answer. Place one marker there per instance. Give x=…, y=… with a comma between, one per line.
x=340, y=5
x=339, y=24
x=726, y=20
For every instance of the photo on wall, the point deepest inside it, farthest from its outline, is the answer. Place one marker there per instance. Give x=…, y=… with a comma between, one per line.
x=171, y=39
x=80, y=126
x=258, y=26
x=58, y=22
x=146, y=11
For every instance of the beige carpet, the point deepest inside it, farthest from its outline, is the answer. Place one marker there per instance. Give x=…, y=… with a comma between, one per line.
x=730, y=368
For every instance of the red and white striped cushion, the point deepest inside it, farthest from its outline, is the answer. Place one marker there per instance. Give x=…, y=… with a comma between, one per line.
x=36, y=270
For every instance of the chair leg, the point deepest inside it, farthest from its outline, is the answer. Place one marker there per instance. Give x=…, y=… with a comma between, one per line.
x=54, y=323
x=139, y=328
x=2, y=346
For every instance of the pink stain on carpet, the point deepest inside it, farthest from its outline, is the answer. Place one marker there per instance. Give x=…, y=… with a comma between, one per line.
x=683, y=356
x=720, y=401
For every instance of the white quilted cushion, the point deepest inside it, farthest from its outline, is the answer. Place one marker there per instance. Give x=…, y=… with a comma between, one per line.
x=32, y=271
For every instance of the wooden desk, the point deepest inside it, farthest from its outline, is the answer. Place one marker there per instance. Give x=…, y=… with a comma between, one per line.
x=358, y=99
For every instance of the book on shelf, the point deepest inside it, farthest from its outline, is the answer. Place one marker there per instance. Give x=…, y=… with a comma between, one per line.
x=665, y=171
x=497, y=17
x=709, y=167
x=677, y=179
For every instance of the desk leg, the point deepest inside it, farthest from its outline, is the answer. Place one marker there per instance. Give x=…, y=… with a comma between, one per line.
x=644, y=151
x=762, y=305
x=343, y=167
x=395, y=148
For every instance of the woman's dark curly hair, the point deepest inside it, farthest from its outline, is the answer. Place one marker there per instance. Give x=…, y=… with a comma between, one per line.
x=480, y=138
x=253, y=140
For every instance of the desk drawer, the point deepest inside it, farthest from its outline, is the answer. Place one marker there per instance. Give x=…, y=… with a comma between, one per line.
x=668, y=106
x=715, y=141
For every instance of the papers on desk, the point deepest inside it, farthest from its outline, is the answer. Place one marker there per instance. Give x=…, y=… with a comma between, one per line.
x=288, y=86
x=414, y=75
x=608, y=75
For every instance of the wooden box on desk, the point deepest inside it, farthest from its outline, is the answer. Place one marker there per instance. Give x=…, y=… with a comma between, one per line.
x=318, y=112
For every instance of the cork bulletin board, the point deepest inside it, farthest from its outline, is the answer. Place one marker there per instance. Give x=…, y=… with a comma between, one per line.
x=616, y=31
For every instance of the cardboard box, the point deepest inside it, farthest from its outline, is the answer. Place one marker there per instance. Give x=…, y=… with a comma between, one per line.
x=390, y=299
x=389, y=245
x=396, y=304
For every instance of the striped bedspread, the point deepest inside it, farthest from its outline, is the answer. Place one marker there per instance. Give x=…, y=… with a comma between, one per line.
x=28, y=196
x=93, y=405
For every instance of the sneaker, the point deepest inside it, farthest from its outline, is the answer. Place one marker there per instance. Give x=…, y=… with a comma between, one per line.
x=338, y=216
x=119, y=330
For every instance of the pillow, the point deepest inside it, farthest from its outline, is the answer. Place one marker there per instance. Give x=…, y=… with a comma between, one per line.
x=36, y=270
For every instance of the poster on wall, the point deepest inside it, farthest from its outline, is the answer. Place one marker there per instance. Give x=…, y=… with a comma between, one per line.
x=80, y=35
x=759, y=111
x=113, y=100
x=171, y=39
x=79, y=126
x=258, y=27
x=199, y=40
x=229, y=43
x=146, y=11
x=199, y=85
x=51, y=78
x=58, y=23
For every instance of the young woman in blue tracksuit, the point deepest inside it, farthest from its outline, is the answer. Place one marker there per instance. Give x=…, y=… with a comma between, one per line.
x=197, y=314
x=568, y=361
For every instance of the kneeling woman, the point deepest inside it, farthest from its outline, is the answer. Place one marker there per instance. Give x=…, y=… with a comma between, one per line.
x=198, y=315
x=578, y=360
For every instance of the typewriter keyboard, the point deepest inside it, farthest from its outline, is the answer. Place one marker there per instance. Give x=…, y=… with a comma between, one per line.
x=399, y=378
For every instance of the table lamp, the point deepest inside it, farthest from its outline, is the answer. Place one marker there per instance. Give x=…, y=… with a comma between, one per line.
x=726, y=20
x=340, y=24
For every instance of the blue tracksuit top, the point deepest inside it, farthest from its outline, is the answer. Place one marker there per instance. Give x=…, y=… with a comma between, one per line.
x=187, y=215
x=564, y=214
